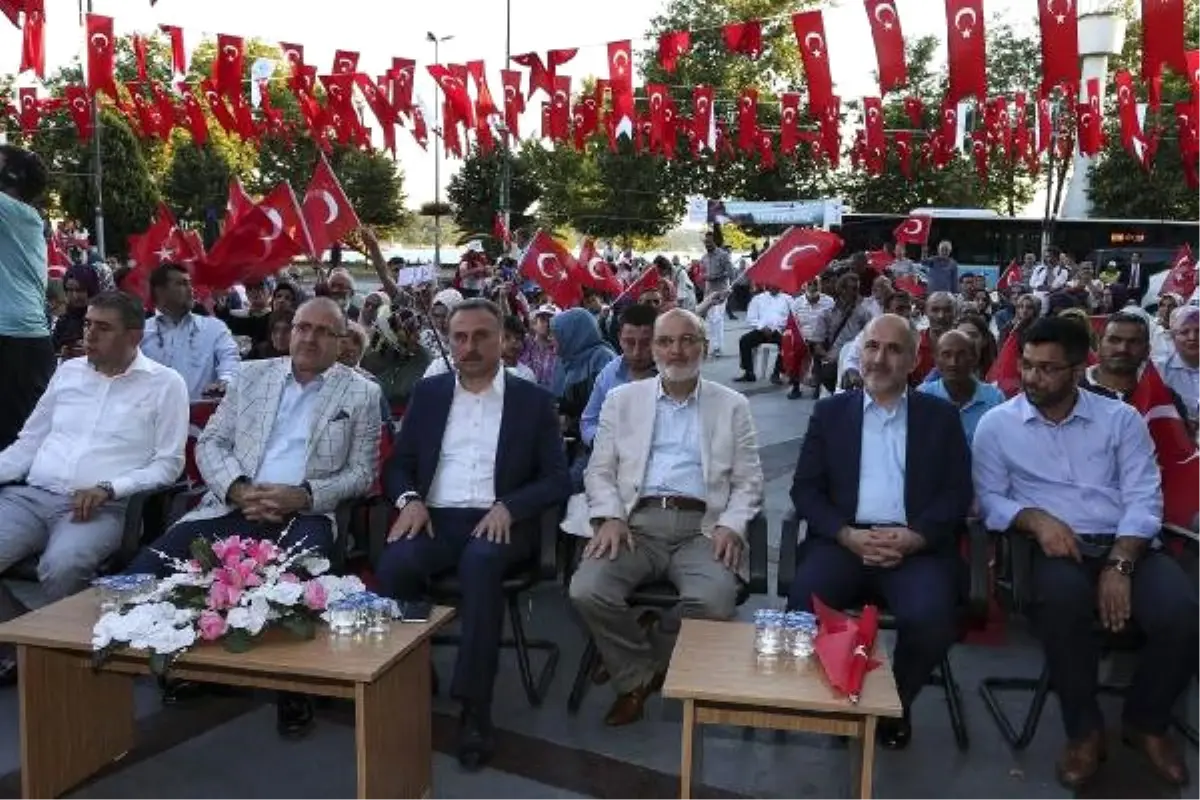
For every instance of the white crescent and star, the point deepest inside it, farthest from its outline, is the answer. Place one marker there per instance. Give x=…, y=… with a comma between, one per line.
x=786, y=263
x=702, y=104
x=594, y=270
x=330, y=205
x=789, y=115
x=100, y=40
x=541, y=266
x=230, y=52
x=620, y=61
x=891, y=9
x=345, y=65
x=816, y=49
x=913, y=231
x=276, y=224
x=962, y=14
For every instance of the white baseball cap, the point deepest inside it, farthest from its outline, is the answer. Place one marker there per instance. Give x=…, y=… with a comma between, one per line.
x=548, y=309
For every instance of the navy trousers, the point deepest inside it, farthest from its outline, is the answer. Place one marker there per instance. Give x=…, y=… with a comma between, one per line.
x=314, y=530
x=407, y=566
x=1164, y=609
x=921, y=594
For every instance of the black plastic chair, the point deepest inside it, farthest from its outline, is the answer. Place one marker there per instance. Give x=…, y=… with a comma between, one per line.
x=542, y=565
x=662, y=596
x=1015, y=561
x=973, y=603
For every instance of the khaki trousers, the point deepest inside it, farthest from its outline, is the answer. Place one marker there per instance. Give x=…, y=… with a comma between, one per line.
x=668, y=545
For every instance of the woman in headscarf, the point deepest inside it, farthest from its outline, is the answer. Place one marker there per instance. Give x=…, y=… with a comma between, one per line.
x=81, y=284
x=435, y=336
x=395, y=357
x=582, y=353
x=374, y=306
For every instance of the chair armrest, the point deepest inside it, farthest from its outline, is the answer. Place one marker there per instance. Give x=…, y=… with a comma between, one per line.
x=978, y=572
x=758, y=542
x=1020, y=556
x=548, y=534
x=789, y=544
x=343, y=517
x=1181, y=532
x=136, y=508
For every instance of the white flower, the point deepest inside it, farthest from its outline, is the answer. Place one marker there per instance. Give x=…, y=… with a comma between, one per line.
x=285, y=594
x=338, y=587
x=251, y=618
x=315, y=565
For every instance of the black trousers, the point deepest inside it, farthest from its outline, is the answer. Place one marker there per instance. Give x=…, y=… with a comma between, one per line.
x=753, y=339
x=25, y=369
x=1164, y=608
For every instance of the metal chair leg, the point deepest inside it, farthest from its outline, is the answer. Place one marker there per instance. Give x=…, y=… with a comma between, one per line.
x=1040, y=687
x=583, y=676
x=534, y=690
x=1186, y=729
x=954, y=704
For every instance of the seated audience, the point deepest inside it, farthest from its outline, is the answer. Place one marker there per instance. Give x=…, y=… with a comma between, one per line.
x=673, y=481
x=479, y=458
x=767, y=316
x=807, y=308
x=957, y=360
x=395, y=356
x=1161, y=340
x=978, y=330
x=635, y=363
x=510, y=353
x=850, y=362
x=883, y=483
x=837, y=327
x=1076, y=472
x=80, y=285
x=1122, y=355
x=281, y=335
x=1179, y=369
x=108, y=426
x=201, y=349
x=540, y=354
x=582, y=355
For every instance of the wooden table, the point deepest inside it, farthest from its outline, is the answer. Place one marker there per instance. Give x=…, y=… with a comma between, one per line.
x=75, y=720
x=716, y=674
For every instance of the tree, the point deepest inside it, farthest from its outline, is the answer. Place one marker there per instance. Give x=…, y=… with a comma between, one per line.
x=475, y=190
x=1118, y=185
x=196, y=184
x=374, y=185
x=1013, y=66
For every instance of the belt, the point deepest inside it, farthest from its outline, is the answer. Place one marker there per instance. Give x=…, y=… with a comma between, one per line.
x=671, y=503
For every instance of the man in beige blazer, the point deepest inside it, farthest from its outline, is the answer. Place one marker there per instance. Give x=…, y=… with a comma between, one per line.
x=673, y=481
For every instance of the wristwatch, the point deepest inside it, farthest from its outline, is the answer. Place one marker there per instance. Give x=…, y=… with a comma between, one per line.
x=405, y=499
x=107, y=488
x=1122, y=566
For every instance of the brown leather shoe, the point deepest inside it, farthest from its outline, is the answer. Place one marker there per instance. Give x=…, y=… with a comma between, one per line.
x=628, y=707
x=1162, y=754
x=1080, y=760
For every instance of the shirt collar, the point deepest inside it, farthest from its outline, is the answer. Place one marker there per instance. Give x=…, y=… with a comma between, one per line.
x=140, y=363
x=318, y=381
x=163, y=321
x=495, y=388
x=659, y=393
x=1083, y=409
x=976, y=397
x=869, y=403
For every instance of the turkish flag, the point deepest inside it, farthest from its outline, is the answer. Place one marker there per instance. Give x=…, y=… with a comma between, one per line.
x=646, y=282
x=178, y=53
x=747, y=119
x=237, y=205
x=1182, y=278
x=31, y=110
x=889, y=44
x=538, y=77
x=620, y=81
x=196, y=121
x=1045, y=124
x=789, y=135
x=139, y=56
x=147, y=250
x=830, y=122
x=595, y=272
x=253, y=249
x=743, y=37
x=402, y=84
x=671, y=46
x=966, y=50
x=1088, y=126
x=227, y=65
x=327, y=211
x=419, y=130
x=1178, y=459
x=809, y=27
x=514, y=102
x=1060, y=45
x=455, y=90
x=873, y=112
x=293, y=54
x=548, y=264
x=914, y=108
x=100, y=48
x=1163, y=25
x=345, y=62
x=844, y=645
x=702, y=115
x=165, y=105
x=1005, y=372
x=283, y=209
x=33, y=38
x=795, y=258
x=1131, y=129
x=80, y=109
x=485, y=106
x=560, y=109
x=12, y=10
x=914, y=230
x=1011, y=276
x=793, y=351
x=902, y=141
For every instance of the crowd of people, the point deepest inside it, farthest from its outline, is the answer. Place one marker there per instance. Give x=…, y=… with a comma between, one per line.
x=478, y=407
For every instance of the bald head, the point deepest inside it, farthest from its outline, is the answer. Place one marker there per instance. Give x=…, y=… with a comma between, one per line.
x=317, y=330
x=892, y=326
x=679, y=316
x=678, y=345
x=956, y=357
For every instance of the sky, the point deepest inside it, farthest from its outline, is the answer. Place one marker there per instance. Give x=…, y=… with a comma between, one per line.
x=381, y=29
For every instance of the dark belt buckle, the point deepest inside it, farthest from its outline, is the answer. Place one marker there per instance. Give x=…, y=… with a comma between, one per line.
x=665, y=503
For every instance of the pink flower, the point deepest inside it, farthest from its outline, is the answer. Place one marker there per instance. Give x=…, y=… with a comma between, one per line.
x=289, y=577
x=262, y=552
x=212, y=626
x=315, y=596
x=247, y=570
x=227, y=549
x=221, y=595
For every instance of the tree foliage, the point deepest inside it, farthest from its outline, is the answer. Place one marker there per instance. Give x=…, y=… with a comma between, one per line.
x=1118, y=185
x=476, y=190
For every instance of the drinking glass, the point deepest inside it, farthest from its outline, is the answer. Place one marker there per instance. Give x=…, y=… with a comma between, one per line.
x=343, y=616
x=801, y=630
x=768, y=632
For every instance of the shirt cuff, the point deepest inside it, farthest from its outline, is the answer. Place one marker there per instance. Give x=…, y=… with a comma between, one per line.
x=122, y=488
x=1000, y=512
x=1140, y=525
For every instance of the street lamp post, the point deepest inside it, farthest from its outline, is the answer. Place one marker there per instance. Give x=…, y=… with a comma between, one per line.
x=506, y=164
x=437, y=157
x=98, y=170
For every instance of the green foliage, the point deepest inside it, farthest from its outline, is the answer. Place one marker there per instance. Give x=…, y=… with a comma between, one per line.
x=197, y=180
x=1119, y=187
x=201, y=550
x=476, y=190
x=300, y=625
x=237, y=640
x=374, y=185
x=432, y=209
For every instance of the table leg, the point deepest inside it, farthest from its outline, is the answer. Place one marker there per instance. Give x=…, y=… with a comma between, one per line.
x=393, y=729
x=74, y=720
x=689, y=733
x=866, y=763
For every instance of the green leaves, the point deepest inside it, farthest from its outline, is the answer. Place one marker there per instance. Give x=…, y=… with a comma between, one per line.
x=302, y=625
x=202, y=551
x=237, y=640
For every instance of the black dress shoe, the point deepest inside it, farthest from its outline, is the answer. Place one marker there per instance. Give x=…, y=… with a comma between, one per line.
x=475, y=737
x=176, y=692
x=8, y=672
x=745, y=377
x=894, y=734
x=795, y=393
x=294, y=716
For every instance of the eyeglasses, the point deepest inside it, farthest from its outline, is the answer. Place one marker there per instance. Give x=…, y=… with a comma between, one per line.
x=1044, y=370
x=317, y=331
x=687, y=340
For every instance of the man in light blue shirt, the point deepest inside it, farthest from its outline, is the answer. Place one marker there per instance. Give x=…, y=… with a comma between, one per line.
x=635, y=363
x=26, y=354
x=957, y=357
x=941, y=271
x=201, y=349
x=1077, y=472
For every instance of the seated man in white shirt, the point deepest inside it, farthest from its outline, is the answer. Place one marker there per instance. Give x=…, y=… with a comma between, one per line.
x=767, y=316
x=199, y=348
x=109, y=426
x=511, y=348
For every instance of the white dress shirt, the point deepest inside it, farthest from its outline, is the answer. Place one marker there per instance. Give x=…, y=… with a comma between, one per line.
x=808, y=312
x=769, y=311
x=675, y=467
x=466, y=470
x=285, y=456
x=881, y=471
x=1048, y=279
x=439, y=367
x=201, y=349
x=129, y=430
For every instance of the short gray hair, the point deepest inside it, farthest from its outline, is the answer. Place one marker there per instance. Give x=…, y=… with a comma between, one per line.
x=326, y=304
x=692, y=318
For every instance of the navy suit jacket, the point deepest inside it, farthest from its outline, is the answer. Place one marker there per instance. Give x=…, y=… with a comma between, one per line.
x=937, y=479
x=531, y=463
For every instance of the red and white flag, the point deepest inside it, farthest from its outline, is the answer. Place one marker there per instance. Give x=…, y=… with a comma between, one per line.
x=595, y=272
x=327, y=211
x=238, y=204
x=283, y=209
x=889, y=43
x=1163, y=26
x=914, y=230
x=548, y=264
x=254, y=248
x=1060, y=45
x=1181, y=280
x=809, y=27
x=33, y=38
x=795, y=258
x=101, y=48
x=1178, y=459
x=1011, y=276
x=966, y=50
x=227, y=65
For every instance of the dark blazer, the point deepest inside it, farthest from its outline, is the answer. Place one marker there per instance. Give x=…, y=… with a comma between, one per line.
x=531, y=464
x=1125, y=272
x=937, y=489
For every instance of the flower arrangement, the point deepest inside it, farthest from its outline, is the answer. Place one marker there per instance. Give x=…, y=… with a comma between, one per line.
x=229, y=591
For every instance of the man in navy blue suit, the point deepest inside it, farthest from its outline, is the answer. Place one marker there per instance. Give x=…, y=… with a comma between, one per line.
x=478, y=459
x=884, y=483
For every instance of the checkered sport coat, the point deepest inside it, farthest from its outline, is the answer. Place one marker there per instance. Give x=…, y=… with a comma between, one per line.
x=343, y=450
